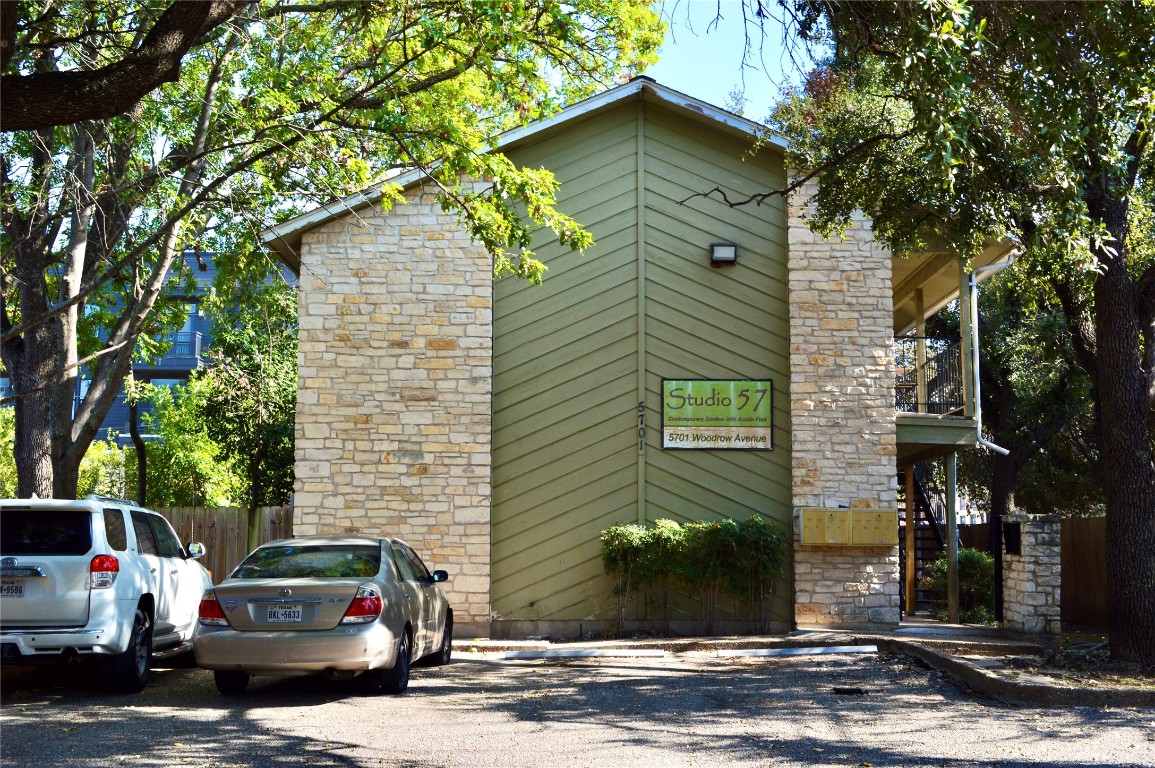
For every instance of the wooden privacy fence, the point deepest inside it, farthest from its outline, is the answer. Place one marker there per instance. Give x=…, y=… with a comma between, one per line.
x=223, y=531
x=1083, y=598
x=977, y=536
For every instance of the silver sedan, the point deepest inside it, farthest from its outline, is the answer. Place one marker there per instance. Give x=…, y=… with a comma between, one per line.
x=341, y=606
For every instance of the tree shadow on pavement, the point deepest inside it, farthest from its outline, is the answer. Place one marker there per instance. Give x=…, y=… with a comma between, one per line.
x=860, y=711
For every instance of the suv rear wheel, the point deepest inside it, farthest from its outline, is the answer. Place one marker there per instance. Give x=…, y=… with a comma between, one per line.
x=129, y=670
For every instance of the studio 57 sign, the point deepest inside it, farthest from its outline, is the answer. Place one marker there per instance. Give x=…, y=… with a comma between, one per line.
x=717, y=414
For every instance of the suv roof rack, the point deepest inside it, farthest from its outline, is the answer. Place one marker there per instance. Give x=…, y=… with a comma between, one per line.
x=98, y=497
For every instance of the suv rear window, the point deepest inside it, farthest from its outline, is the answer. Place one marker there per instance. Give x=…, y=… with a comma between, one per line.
x=45, y=532
x=114, y=529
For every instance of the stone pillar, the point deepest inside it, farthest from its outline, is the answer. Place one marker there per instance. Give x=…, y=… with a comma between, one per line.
x=393, y=410
x=843, y=437
x=1032, y=577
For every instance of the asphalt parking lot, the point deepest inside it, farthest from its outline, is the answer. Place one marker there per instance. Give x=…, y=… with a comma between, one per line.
x=857, y=710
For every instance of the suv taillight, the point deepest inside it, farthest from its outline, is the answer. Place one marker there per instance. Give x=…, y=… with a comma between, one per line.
x=102, y=571
x=210, y=612
x=365, y=608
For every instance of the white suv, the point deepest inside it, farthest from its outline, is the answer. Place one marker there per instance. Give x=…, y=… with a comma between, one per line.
x=95, y=578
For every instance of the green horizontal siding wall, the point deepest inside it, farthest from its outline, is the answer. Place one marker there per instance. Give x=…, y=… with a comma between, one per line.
x=572, y=357
x=705, y=322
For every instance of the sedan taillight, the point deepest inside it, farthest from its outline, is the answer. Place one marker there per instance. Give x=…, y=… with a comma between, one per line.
x=210, y=613
x=365, y=608
x=102, y=571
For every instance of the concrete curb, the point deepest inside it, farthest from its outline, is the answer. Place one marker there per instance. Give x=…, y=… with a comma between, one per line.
x=1036, y=691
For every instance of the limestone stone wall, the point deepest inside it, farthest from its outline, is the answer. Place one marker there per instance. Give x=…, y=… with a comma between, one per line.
x=393, y=409
x=1032, y=579
x=843, y=438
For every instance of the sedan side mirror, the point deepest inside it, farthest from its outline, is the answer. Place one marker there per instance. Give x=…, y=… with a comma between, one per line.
x=440, y=576
x=195, y=549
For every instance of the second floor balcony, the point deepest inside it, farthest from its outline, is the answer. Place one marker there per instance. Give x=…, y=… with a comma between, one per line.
x=186, y=346
x=930, y=398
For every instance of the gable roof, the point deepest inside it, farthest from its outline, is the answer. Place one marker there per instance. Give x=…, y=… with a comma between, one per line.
x=285, y=238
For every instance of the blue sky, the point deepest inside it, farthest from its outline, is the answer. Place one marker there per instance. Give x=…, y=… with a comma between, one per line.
x=703, y=59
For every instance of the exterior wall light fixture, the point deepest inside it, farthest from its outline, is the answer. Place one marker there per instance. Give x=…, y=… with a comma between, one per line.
x=723, y=253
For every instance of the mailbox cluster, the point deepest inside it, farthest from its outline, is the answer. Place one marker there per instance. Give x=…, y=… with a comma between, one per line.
x=844, y=527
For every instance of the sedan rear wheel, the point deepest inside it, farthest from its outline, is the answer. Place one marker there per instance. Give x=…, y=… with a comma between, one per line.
x=395, y=679
x=231, y=682
x=443, y=654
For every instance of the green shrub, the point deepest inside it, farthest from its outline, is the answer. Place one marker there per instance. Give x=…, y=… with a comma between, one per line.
x=976, y=586
x=761, y=561
x=709, y=557
x=104, y=470
x=622, y=548
x=7, y=452
x=740, y=559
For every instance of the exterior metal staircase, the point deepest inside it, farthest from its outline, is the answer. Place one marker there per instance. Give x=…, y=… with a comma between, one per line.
x=929, y=541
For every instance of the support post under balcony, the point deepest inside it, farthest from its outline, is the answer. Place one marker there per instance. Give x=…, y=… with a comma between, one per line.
x=964, y=312
x=920, y=346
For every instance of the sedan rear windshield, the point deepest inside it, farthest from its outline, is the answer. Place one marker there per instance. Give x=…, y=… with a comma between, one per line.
x=324, y=560
x=45, y=531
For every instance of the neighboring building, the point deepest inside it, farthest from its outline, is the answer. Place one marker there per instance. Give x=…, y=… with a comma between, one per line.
x=500, y=427
x=184, y=356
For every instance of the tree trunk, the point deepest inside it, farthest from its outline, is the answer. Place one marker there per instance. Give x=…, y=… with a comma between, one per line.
x=141, y=457
x=44, y=99
x=65, y=459
x=1004, y=474
x=33, y=444
x=1127, y=463
x=31, y=365
x=256, y=492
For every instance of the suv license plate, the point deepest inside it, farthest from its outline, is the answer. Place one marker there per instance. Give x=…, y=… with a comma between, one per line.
x=11, y=588
x=284, y=614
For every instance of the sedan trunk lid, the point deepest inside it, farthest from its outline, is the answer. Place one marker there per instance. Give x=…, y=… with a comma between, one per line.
x=286, y=604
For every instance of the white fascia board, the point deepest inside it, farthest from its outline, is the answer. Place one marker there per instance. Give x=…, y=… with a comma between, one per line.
x=753, y=129
x=636, y=86
x=323, y=213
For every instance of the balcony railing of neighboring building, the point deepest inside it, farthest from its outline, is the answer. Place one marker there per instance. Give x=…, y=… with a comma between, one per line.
x=928, y=375
x=184, y=353
x=185, y=350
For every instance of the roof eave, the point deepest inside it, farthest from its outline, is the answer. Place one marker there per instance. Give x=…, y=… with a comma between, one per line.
x=285, y=238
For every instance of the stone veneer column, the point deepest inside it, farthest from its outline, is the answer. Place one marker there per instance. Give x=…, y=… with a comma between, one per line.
x=395, y=380
x=842, y=415
x=1032, y=579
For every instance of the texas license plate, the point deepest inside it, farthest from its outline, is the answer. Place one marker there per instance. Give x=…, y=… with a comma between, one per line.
x=284, y=614
x=11, y=588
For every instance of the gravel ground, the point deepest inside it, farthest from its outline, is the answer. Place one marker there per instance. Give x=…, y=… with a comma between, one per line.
x=687, y=710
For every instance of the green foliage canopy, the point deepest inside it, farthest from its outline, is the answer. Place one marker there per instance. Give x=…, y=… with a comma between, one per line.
x=186, y=467
x=251, y=384
x=281, y=107
x=1025, y=121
